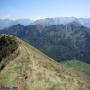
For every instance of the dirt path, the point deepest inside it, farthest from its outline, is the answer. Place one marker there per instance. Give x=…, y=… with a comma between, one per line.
x=23, y=76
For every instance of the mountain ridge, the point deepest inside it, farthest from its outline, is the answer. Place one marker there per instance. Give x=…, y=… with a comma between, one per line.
x=40, y=72
x=61, y=42
x=4, y=23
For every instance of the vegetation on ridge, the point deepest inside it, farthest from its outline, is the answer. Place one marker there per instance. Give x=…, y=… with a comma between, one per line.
x=7, y=46
x=41, y=72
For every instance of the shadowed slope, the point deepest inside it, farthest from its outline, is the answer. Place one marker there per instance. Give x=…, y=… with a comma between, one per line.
x=8, y=49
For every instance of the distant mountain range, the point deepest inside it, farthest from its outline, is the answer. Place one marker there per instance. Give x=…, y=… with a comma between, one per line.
x=4, y=23
x=60, y=42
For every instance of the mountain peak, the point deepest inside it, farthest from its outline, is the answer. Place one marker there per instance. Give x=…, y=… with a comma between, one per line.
x=4, y=23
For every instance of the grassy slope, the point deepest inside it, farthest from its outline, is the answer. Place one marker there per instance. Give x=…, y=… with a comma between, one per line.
x=42, y=72
x=81, y=66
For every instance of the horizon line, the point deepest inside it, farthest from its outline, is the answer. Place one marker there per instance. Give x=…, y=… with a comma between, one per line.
x=33, y=19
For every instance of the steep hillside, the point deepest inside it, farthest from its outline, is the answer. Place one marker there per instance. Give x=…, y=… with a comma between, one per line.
x=32, y=70
x=60, y=42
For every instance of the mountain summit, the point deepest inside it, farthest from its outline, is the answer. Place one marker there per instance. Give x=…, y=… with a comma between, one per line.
x=30, y=69
x=5, y=23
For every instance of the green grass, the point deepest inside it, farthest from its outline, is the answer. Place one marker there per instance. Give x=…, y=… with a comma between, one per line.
x=78, y=65
x=43, y=72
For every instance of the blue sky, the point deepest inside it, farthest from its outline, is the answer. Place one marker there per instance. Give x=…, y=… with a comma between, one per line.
x=36, y=9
